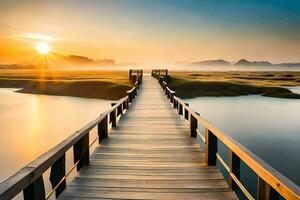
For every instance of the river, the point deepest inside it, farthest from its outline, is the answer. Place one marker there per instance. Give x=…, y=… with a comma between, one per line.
x=269, y=127
x=32, y=124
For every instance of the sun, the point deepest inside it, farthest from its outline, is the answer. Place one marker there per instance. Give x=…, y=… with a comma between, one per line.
x=43, y=48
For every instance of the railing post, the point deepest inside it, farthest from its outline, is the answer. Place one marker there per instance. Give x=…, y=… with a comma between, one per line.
x=82, y=151
x=211, y=148
x=193, y=125
x=103, y=129
x=174, y=103
x=137, y=86
x=120, y=110
x=172, y=96
x=165, y=89
x=135, y=92
x=123, y=106
x=35, y=191
x=58, y=171
x=161, y=81
x=234, y=165
x=130, y=74
x=129, y=96
x=265, y=191
x=186, y=112
x=113, y=117
x=127, y=103
x=180, y=111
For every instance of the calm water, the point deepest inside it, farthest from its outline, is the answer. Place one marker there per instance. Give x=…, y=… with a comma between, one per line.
x=295, y=89
x=32, y=124
x=269, y=127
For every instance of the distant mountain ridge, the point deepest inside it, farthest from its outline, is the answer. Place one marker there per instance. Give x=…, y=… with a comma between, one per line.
x=15, y=66
x=288, y=64
x=245, y=62
x=65, y=60
x=241, y=62
x=219, y=62
x=83, y=60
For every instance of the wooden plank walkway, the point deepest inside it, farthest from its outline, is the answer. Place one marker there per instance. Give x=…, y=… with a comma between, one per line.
x=149, y=155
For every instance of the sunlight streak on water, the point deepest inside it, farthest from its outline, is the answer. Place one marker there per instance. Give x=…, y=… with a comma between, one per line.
x=32, y=124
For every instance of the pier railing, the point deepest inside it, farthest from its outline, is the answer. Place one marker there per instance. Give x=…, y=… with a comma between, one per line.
x=159, y=72
x=30, y=178
x=271, y=184
x=133, y=73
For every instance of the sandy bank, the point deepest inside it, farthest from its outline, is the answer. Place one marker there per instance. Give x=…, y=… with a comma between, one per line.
x=223, y=85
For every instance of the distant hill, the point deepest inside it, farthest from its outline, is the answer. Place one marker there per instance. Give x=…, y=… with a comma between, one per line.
x=219, y=62
x=14, y=66
x=86, y=61
x=288, y=64
x=59, y=60
x=240, y=63
x=244, y=62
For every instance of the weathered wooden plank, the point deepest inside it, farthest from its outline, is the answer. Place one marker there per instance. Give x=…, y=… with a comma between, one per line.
x=157, y=190
x=157, y=155
x=149, y=155
x=94, y=182
x=139, y=149
x=94, y=193
x=170, y=177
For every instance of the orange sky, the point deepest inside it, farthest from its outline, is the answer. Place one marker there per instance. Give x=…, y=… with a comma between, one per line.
x=131, y=32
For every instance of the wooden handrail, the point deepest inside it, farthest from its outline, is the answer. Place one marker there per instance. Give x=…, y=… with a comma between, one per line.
x=135, y=72
x=32, y=174
x=273, y=179
x=159, y=72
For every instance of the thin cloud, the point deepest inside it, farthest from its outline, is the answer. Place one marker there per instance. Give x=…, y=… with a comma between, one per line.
x=35, y=37
x=29, y=36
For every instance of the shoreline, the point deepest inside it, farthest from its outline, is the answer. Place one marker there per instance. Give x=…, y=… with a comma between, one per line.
x=84, y=89
x=107, y=85
x=112, y=85
x=230, y=84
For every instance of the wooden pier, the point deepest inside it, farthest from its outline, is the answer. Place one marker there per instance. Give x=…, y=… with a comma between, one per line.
x=150, y=152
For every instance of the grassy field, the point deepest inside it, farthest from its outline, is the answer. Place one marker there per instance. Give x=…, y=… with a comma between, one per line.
x=272, y=84
x=111, y=85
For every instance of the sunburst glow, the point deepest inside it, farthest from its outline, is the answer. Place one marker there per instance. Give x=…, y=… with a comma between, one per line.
x=43, y=48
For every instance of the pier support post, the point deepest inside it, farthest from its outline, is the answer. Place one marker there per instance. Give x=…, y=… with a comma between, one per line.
x=211, y=148
x=234, y=165
x=180, y=111
x=103, y=129
x=265, y=191
x=129, y=96
x=172, y=94
x=127, y=103
x=130, y=74
x=82, y=151
x=58, y=171
x=35, y=191
x=186, y=112
x=193, y=126
x=120, y=110
x=124, y=106
x=113, y=117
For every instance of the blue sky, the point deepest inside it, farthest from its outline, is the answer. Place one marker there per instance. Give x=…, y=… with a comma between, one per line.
x=166, y=30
